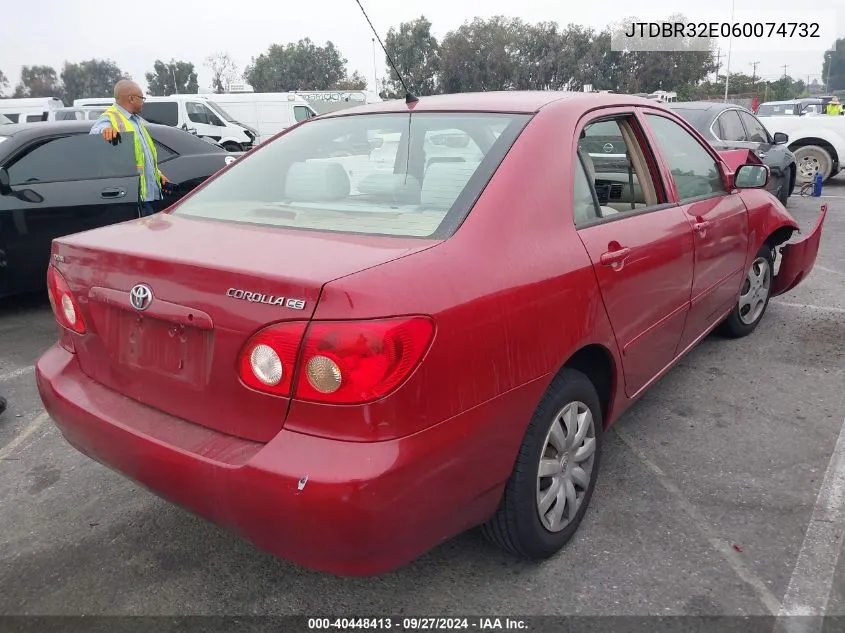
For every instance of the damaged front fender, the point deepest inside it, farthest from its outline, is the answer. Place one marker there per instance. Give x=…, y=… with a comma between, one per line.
x=798, y=258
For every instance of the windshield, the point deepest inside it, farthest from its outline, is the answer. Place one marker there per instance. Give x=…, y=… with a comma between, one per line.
x=359, y=174
x=221, y=111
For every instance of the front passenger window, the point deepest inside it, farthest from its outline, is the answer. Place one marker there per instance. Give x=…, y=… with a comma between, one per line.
x=695, y=171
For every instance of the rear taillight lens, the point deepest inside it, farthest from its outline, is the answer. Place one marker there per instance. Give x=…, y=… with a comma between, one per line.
x=341, y=362
x=65, y=307
x=268, y=360
x=358, y=361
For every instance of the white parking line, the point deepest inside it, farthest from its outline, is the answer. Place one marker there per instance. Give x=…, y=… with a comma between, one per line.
x=809, y=306
x=16, y=373
x=733, y=559
x=31, y=428
x=828, y=270
x=812, y=578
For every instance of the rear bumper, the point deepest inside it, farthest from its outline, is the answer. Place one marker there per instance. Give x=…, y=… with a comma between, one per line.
x=365, y=508
x=798, y=258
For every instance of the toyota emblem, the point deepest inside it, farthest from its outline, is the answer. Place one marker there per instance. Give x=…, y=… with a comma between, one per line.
x=140, y=296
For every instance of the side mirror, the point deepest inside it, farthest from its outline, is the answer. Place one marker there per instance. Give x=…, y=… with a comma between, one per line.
x=27, y=195
x=780, y=138
x=751, y=177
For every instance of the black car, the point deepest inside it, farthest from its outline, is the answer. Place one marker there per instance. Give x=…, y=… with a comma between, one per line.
x=729, y=126
x=56, y=179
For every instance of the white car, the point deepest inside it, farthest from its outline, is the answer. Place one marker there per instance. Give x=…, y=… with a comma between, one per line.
x=818, y=142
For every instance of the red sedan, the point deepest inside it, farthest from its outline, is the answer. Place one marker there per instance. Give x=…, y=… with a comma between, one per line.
x=393, y=323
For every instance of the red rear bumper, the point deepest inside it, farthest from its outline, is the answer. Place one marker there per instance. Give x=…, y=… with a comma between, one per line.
x=365, y=508
x=798, y=258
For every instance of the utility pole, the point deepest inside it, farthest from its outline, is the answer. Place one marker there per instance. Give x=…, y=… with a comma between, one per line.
x=718, y=61
x=375, y=72
x=730, y=44
x=754, y=73
x=785, y=66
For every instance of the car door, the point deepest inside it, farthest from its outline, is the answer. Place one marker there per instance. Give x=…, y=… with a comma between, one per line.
x=204, y=120
x=718, y=217
x=640, y=245
x=81, y=182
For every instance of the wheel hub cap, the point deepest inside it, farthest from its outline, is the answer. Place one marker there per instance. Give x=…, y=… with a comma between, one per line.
x=566, y=466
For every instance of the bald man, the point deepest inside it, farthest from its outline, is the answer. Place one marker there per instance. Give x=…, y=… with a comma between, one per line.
x=124, y=116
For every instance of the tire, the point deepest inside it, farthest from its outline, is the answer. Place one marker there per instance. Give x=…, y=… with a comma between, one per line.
x=742, y=322
x=517, y=526
x=811, y=159
x=232, y=147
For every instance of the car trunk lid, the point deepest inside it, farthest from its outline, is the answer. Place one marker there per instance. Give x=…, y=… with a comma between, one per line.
x=202, y=288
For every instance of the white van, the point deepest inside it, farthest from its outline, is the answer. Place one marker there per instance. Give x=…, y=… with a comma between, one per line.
x=80, y=113
x=267, y=112
x=193, y=113
x=29, y=110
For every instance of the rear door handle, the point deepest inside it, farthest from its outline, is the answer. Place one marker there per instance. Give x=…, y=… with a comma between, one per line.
x=612, y=258
x=700, y=227
x=112, y=193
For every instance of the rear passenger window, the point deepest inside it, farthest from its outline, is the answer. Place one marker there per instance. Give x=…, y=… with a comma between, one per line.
x=584, y=207
x=616, y=167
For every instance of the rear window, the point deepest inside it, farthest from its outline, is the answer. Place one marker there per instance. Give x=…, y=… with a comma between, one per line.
x=779, y=109
x=360, y=174
x=161, y=112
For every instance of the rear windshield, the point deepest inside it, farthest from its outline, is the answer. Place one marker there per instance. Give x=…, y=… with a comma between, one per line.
x=360, y=174
x=780, y=109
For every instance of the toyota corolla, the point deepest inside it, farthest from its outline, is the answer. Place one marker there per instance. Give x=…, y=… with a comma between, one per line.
x=397, y=322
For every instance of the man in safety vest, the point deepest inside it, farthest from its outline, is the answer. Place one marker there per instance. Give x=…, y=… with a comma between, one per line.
x=834, y=107
x=124, y=116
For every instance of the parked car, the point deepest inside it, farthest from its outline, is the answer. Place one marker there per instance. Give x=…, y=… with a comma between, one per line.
x=62, y=181
x=728, y=126
x=350, y=374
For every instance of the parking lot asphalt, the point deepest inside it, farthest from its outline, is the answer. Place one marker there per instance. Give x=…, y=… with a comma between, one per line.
x=708, y=501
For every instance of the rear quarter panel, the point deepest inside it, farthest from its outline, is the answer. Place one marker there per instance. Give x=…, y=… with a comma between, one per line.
x=513, y=295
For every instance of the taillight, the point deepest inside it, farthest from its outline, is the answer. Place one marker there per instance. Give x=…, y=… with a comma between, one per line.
x=65, y=307
x=268, y=360
x=342, y=362
x=358, y=361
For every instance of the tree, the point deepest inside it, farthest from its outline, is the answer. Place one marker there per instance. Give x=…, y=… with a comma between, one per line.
x=356, y=82
x=91, y=78
x=663, y=63
x=296, y=66
x=4, y=82
x=416, y=53
x=833, y=68
x=482, y=55
x=223, y=71
x=38, y=81
x=173, y=77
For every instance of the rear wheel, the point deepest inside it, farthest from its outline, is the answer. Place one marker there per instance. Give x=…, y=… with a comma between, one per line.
x=555, y=472
x=812, y=159
x=753, y=296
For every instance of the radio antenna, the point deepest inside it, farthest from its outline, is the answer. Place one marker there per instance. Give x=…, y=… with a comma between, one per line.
x=409, y=98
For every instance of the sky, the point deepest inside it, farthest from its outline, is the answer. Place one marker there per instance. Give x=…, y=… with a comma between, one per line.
x=62, y=31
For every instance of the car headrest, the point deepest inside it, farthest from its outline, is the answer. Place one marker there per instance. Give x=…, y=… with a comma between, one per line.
x=397, y=188
x=443, y=183
x=314, y=181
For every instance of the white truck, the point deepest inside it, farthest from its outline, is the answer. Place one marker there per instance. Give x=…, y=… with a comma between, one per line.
x=817, y=140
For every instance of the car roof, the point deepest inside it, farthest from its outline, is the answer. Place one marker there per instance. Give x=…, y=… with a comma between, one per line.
x=515, y=101
x=44, y=128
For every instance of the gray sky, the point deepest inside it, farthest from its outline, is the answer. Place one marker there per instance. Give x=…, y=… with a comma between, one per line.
x=59, y=30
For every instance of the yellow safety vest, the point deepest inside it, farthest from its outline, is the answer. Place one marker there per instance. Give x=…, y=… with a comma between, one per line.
x=122, y=124
x=834, y=108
